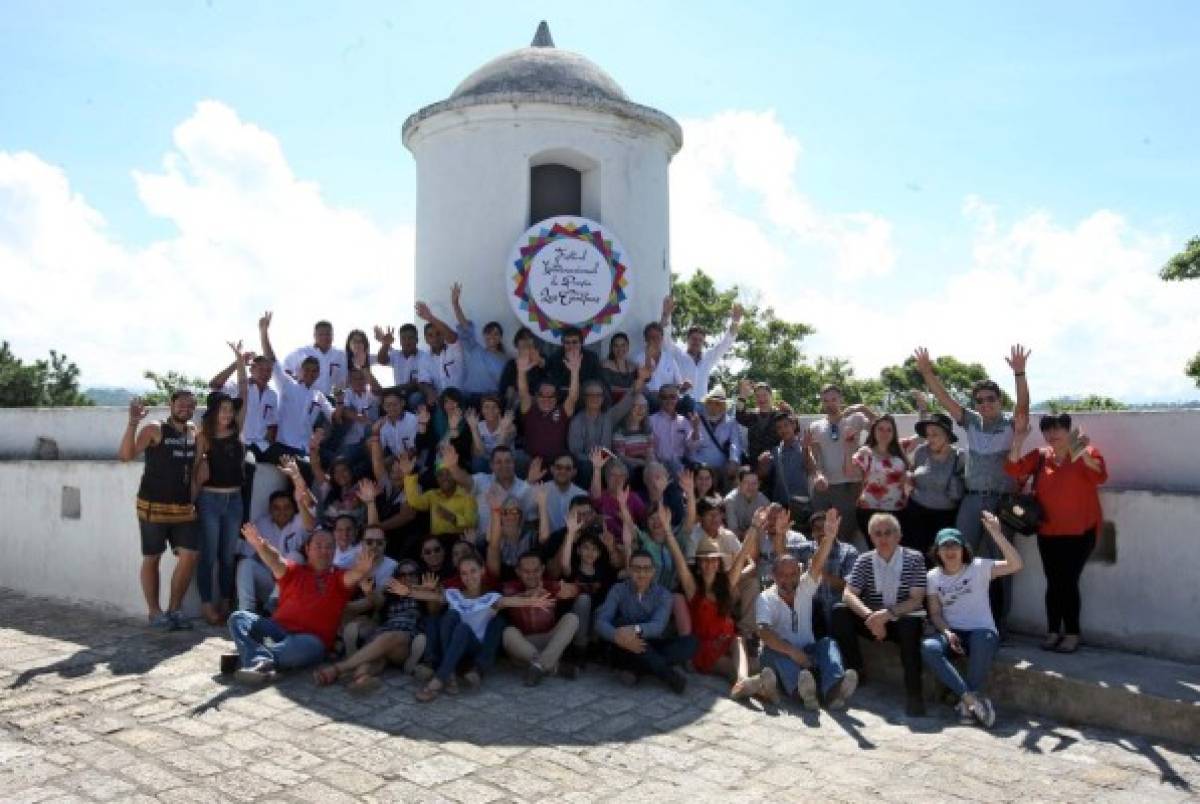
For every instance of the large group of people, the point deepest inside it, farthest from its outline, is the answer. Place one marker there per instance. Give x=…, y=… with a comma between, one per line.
x=561, y=509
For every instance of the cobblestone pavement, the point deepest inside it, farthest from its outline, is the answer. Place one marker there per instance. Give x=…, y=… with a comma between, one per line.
x=97, y=708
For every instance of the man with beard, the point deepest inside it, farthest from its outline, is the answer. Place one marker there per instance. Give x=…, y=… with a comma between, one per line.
x=166, y=514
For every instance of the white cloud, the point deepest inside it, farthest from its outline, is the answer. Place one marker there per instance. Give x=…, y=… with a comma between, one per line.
x=1084, y=295
x=250, y=236
x=737, y=210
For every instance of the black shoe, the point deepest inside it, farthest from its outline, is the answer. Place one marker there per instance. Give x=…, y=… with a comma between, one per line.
x=567, y=670
x=914, y=707
x=676, y=680
x=534, y=675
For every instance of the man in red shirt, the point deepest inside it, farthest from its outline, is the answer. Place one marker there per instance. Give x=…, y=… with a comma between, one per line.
x=311, y=599
x=544, y=421
x=533, y=637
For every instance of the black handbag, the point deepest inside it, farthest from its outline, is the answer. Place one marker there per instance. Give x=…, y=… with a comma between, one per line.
x=1020, y=512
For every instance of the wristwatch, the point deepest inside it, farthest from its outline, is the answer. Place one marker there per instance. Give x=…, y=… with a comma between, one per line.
x=637, y=629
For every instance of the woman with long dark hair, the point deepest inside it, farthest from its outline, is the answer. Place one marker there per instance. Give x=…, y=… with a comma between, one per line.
x=218, y=478
x=1066, y=474
x=935, y=483
x=711, y=593
x=618, y=370
x=882, y=467
x=358, y=351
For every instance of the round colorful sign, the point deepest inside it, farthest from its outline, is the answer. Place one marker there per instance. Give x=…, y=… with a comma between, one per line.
x=565, y=272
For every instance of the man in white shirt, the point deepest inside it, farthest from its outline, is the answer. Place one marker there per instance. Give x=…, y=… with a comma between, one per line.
x=301, y=403
x=492, y=489
x=411, y=369
x=664, y=371
x=283, y=529
x=262, y=403
x=332, y=362
x=397, y=428
x=695, y=363
x=790, y=650
x=446, y=360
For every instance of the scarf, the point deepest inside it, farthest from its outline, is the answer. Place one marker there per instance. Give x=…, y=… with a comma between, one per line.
x=887, y=575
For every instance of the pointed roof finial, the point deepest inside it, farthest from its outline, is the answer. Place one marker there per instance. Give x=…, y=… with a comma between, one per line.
x=542, y=37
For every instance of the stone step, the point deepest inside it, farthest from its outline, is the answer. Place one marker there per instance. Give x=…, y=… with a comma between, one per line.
x=1095, y=686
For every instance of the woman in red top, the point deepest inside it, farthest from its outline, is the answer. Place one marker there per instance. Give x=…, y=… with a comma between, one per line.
x=1066, y=479
x=711, y=595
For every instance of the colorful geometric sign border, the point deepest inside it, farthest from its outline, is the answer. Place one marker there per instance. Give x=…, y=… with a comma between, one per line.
x=545, y=233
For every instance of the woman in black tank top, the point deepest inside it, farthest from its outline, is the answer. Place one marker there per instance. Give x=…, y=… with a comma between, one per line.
x=220, y=456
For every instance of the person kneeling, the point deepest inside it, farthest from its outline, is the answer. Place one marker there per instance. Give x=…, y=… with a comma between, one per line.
x=533, y=637
x=312, y=597
x=634, y=617
x=785, y=624
x=957, y=599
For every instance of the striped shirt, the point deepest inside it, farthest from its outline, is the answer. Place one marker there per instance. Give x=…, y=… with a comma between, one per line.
x=862, y=578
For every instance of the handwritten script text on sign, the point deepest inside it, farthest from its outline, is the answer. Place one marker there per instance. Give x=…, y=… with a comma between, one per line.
x=570, y=280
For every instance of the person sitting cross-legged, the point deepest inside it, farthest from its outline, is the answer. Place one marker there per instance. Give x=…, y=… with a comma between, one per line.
x=312, y=597
x=394, y=641
x=880, y=601
x=957, y=599
x=535, y=636
x=785, y=625
x=634, y=619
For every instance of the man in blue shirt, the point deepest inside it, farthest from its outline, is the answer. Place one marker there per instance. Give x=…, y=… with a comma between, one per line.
x=634, y=618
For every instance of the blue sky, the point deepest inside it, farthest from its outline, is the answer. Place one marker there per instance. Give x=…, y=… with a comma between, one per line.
x=1046, y=114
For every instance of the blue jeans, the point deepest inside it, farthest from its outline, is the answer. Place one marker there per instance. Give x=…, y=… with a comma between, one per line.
x=220, y=520
x=659, y=657
x=969, y=523
x=824, y=655
x=459, y=644
x=249, y=633
x=980, y=644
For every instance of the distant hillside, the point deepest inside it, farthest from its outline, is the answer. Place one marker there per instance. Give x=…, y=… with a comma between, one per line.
x=109, y=396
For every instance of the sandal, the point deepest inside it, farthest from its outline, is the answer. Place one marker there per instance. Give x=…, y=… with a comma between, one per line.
x=326, y=674
x=1051, y=641
x=430, y=691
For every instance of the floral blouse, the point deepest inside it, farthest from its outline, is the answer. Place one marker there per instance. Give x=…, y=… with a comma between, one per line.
x=883, y=481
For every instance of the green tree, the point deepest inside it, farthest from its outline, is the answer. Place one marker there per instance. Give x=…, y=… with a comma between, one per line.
x=1186, y=265
x=900, y=381
x=43, y=383
x=1093, y=402
x=168, y=382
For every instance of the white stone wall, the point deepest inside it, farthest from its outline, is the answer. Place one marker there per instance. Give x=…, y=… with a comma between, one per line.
x=473, y=201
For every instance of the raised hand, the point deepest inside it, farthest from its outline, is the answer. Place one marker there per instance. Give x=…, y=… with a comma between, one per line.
x=506, y=424
x=423, y=311
x=385, y=336
x=541, y=494
x=469, y=535
x=694, y=418
x=398, y=588
x=367, y=490
x=364, y=562
x=448, y=455
x=454, y=419
x=735, y=317
x=991, y=523
x=252, y=536
x=920, y=400
x=456, y=293
x=598, y=457
x=573, y=362
x=535, y=472
x=137, y=410
x=524, y=362
x=623, y=497
x=472, y=418
x=429, y=580
x=786, y=408
x=687, y=482
x=924, y=362
x=833, y=521
x=759, y=520
x=1017, y=357
x=575, y=520
x=406, y=463
x=264, y=323
x=1021, y=425
x=237, y=349
x=668, y=306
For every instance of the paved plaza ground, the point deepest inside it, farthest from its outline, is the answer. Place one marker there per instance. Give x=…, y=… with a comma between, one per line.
x=96, y=707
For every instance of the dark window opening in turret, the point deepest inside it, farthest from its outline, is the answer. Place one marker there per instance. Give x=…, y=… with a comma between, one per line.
x=554, y=190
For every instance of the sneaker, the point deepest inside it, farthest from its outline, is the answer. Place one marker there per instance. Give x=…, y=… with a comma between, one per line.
x=676, y=680
x=983, y=711
x=963, y=712
x=534, y=674
x=844, y=689
x=260, y=673
x=746, y=688
x=768, y=687
x=806, y=690
x=416, y=651
x=230, y=663
x=179, y=622
x=162, y=622
x=422, y=673
x=472, y=679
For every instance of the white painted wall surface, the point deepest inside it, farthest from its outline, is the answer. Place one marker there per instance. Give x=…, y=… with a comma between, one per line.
x=473, y=201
